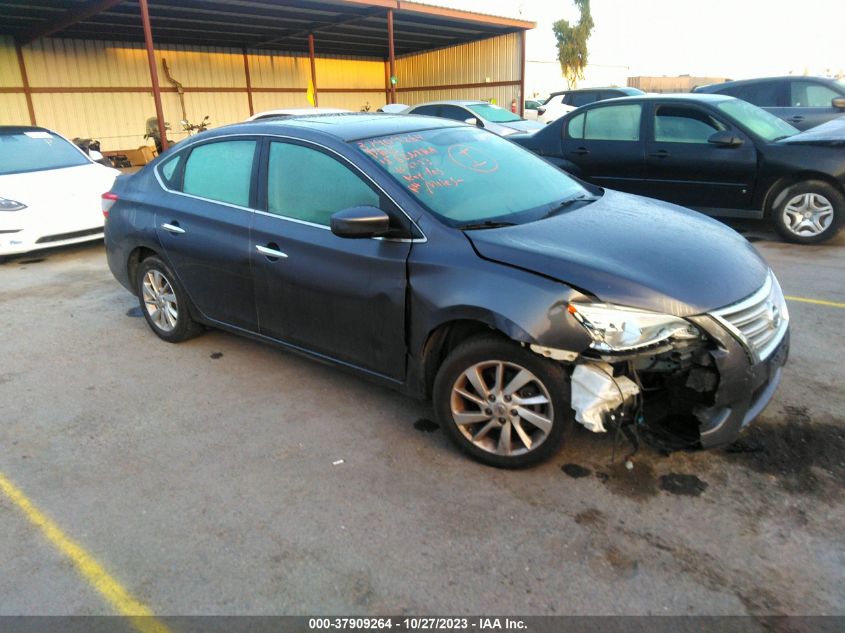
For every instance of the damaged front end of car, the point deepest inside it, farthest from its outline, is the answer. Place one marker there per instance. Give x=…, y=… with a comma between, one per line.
x=691, y=382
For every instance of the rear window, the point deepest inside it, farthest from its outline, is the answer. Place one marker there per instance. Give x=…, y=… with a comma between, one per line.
x=493, y=113
x=37, y=150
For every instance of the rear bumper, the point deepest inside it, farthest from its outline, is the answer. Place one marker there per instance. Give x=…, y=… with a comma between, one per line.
x=744, y=388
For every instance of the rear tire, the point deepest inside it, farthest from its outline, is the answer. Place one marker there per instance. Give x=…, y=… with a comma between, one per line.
x=808, y=212
x=502, y=404
x=164, y=303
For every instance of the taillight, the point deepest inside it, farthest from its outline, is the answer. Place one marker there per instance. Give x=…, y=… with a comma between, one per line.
x=108, y=200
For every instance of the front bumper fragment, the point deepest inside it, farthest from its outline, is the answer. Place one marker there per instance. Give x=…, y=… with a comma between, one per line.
x=744, y=388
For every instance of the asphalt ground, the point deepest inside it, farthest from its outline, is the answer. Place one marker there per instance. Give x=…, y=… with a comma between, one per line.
x=223, y=476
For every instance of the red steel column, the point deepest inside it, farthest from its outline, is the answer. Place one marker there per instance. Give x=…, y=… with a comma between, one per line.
x=25, y=81
x=151, y=58
x=313, y=67
x=522, y=74
x=391, y=57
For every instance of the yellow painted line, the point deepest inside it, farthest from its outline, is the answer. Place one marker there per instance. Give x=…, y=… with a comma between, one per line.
x=86, y=565
x=818, y=302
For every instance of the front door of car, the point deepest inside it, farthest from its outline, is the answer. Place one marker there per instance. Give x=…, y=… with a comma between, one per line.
x=605, y=144
x=683, y=167
x=202, y=223
x=338, y=297
x=810, y=104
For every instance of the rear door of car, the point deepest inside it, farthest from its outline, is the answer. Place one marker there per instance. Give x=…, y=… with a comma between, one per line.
x=684, y=168
x=203, y=225
x=605, y=142
x=338, y=297
x=809, y=104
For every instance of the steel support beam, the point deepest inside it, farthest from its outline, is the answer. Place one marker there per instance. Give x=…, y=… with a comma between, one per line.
x=391, y=55
x=151, y=58
x=313, y=67
x=248, y=83
x=25, y=81
x=522, y=74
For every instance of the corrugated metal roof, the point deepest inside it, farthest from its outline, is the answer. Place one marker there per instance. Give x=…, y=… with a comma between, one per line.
x=341, y=27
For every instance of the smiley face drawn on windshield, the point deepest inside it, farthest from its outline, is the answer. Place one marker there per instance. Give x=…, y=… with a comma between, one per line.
x=473, y=158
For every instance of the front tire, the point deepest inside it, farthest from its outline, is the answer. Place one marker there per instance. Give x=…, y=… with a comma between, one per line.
x=808, y=212
x=164, y=303
x=502, y=404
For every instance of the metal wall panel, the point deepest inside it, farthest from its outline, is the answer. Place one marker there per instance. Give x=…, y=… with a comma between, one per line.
x=503, y=95
x=13, y=110
x=494, y=59
x=10, y=76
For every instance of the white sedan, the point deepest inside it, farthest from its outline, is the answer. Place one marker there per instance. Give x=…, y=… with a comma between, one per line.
x=50, y=191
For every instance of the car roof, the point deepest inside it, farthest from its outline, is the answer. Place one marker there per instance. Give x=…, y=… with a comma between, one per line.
x=747, y=82
x=18, y=129
x=696, y=97
x=459, y=102
x=344, y=126
x=295, y=112
x=626, y=89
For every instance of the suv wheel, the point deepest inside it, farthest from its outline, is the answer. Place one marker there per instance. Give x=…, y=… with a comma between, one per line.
x=164, y=303
x=808, y=212
x=502, y=404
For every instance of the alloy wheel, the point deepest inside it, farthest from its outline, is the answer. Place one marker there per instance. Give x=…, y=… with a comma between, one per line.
x=502, y=408
x=160, y=301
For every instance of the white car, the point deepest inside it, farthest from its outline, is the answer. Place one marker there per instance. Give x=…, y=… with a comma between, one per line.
x=479, y=113
x=288, y=112
x=50, y=191
x=553, y=109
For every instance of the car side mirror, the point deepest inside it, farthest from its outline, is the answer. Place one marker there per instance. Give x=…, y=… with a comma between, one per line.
x=360, y=222
x=473, y=121
x=725, y=138
x=838, y=103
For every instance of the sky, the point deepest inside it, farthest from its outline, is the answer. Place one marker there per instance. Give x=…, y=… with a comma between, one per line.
x=736, y=39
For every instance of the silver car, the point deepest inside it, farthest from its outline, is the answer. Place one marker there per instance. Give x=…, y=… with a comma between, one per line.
x=479, y=113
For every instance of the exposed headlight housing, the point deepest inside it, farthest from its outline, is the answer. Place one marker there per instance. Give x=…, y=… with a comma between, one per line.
x=11, y=205
x=620, y=329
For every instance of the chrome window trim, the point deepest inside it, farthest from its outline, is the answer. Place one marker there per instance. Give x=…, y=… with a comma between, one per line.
x=415, y=240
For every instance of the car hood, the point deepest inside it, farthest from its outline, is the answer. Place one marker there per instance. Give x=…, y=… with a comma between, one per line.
x=830, y=133
x=633, y=251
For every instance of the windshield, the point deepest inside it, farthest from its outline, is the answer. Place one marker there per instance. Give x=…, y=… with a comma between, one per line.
x=765, y=125
x=36, y=150
x=467, y=176
x=494, y=113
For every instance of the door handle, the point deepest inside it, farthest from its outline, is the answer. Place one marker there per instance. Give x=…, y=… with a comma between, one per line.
x=797, y=118
x=581, y=151
x=661, y=153
x=173, y=228
x=271, y=250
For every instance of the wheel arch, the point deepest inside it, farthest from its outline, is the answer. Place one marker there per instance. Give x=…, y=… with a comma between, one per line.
x=447, y=335
x=136, y=256
x=777, y=189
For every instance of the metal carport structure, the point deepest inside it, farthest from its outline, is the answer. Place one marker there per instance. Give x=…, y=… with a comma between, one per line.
x=392, y=31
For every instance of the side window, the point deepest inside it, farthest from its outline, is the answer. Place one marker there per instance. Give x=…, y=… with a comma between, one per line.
x=169, y=171
x=220, y=171
x=306, y=184
x=575, y=128
x=804, y=94
x=613, y=123
x=679, y=124
x=455, y=113
x=427, y=110
x=763, y=95
x=579, y=99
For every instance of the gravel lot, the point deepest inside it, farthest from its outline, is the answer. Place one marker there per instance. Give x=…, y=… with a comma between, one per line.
x=202, y=477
